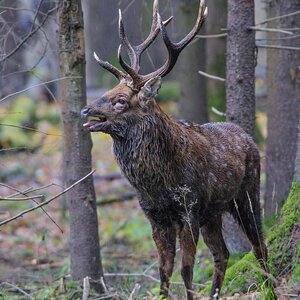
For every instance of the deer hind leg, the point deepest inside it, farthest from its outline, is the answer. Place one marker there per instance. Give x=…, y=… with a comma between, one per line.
x=213, y=238
x=165, y=240
x=246, y=209
x=188, y=238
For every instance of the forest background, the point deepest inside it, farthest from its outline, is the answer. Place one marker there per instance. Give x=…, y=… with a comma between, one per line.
x=34, y=249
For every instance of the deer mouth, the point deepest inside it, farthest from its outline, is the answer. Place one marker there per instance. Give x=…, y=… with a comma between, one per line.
x=94, y=123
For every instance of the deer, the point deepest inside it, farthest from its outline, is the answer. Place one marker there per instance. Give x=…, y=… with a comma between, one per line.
x=186, y=175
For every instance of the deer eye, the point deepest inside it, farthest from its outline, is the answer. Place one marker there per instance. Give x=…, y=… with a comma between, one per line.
x=121, y=101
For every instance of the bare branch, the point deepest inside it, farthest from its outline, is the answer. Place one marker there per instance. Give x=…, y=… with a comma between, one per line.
x=22, y=199
x=270, y=30
x=39, y=84
x=30, y=129
x=22, y=213
x=86, y=288
x=279, y=47
x=147, y=276
x=17, y=288
x=25, y=193
x=212, y=76
x=209, y=36
x=278, y=17
x=29, y=35
x=217, y=112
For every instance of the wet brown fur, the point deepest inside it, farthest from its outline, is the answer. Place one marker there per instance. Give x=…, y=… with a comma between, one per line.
x=186, y=176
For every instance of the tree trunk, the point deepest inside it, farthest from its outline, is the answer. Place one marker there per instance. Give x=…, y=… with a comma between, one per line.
x=240, y=90
x=84, y=239
x=240, y=77
x=283, y=79
x=193, y=104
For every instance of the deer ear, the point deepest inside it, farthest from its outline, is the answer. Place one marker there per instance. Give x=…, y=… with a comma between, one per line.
x=149, y=90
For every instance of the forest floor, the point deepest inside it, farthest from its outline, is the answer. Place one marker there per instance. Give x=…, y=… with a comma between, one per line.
x=34, y=258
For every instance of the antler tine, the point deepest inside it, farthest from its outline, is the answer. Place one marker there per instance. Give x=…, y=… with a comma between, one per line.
x=155, y=28
x=132, y=73
x=135, y=52
x=107, y=66
x=124, y=41
x=174, y=49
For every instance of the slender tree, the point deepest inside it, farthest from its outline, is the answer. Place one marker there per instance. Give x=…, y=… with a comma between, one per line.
x=84, y=240
x=283, y=81
x=240, y=88
x=193, y=103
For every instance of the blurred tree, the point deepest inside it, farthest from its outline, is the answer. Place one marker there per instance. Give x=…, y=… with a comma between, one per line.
x=193, y=102
x=84, y=238
x=283, y=80
x=216, y=55
x=9, y=38
x=101, y=32
x=240, y=89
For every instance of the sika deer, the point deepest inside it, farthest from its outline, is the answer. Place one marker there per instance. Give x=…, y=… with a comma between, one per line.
x=186, y=175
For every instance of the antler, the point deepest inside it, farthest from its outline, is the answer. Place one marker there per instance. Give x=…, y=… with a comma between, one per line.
x=174, y=49
x=135, y=52
x=109, y=67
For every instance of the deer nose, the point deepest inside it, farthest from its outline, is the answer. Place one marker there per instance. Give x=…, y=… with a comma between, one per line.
x=85, y=111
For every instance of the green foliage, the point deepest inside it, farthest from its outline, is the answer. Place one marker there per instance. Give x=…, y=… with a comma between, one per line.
x=170, y=91
x=26, y=112
x=265, y=288
x=283, y=255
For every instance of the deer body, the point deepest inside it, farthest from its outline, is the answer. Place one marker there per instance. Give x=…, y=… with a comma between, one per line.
x=186, y=175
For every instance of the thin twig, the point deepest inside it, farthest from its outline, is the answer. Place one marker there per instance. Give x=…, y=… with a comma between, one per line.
x=22, y=199
x=30, y=129
x=17, y=288
x=147, y=276
x=39, y=84
x=27, y=36
x=279, y=47
x=134, y=292
x=23, y=9
x=270, y=30
x=217, y=112
x=25, y=193
x=46, y=202
x=86, y=288
x=278, y=17
x=212, y=76
x=211, y=36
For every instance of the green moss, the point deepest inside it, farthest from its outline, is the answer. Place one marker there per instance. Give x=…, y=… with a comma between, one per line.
x=281, y=252
x=240, y=276
x=243, y=274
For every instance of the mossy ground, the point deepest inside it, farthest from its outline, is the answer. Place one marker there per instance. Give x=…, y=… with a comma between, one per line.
x=284, y=251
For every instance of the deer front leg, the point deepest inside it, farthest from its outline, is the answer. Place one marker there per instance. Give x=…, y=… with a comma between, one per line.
x=165, y=240
x=213, y=238
x=188, y=238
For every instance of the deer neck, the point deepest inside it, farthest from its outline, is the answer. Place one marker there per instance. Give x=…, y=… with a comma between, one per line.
x=149, y=150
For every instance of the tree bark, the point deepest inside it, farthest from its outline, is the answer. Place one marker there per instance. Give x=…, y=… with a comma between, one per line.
x=283, y=79
x=240, y=91
x=241, y=60
x=84, y=238
x=193, y=102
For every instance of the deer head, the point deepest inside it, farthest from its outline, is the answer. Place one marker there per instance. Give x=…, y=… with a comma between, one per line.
x=133, y=97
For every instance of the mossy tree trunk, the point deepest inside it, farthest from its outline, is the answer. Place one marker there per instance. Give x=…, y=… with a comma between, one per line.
x=77, y=144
